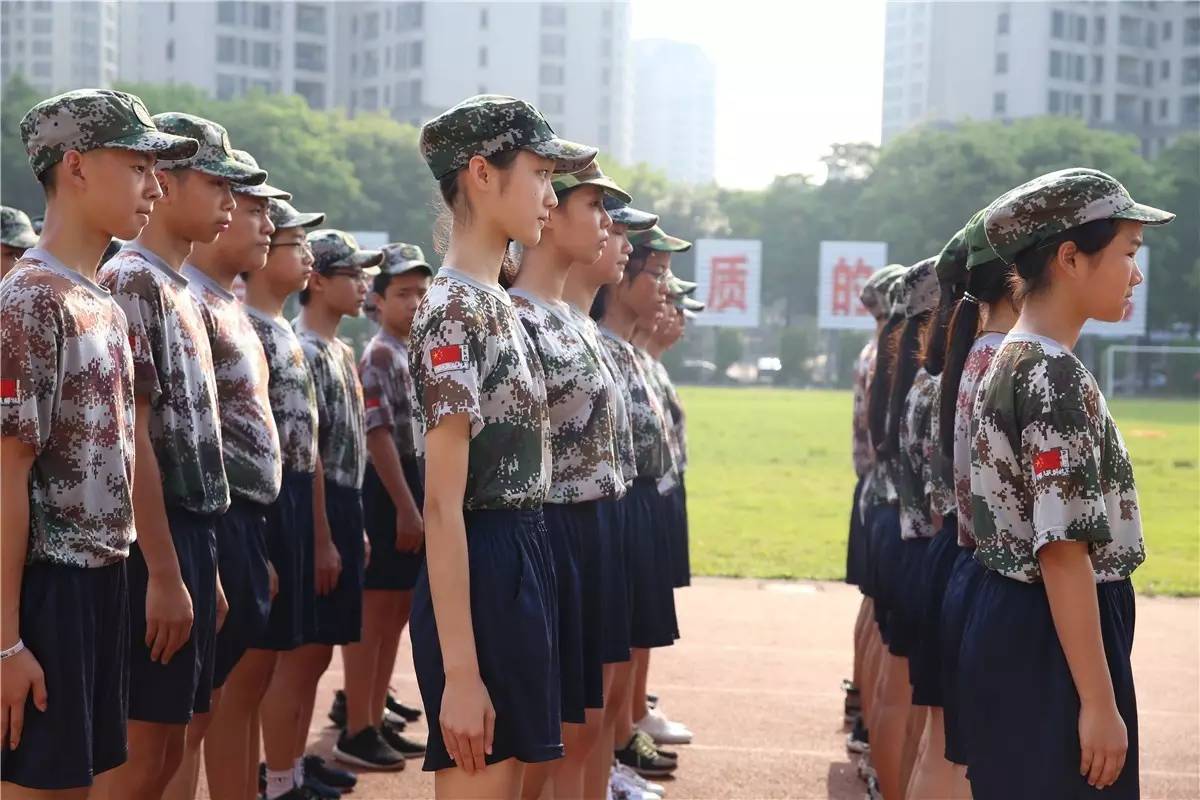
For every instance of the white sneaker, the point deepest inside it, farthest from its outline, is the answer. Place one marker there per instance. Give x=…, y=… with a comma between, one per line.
x=637, y=780
x=663, y=730
x=622, y=788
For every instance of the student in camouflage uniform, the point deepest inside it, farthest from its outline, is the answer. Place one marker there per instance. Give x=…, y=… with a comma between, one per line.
x=16, y=236
x=67, y=398
x=392, y=494
x=582, y=284
x=488, y=674
x=1056, y=517
x=181, y=488
x=585, y=463
x=250, y=452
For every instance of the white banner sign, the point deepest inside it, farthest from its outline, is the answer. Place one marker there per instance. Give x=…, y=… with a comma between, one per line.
x=845, y=267
x=1134, y=322
x=729, y=282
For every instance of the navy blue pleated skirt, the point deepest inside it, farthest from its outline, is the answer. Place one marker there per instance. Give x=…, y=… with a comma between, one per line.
x=925, y=661
x=614, y=647
x=885, y=566
x=856, y=542
x=956, y=604
x=648, y=558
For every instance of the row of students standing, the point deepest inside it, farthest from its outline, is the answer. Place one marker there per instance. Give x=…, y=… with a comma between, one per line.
x=996, y=523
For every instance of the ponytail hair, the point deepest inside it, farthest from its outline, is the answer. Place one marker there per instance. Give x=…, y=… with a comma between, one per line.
x=987, y=283
x=934, y=355
x=599, y=303
x=904, y=370
x=881, y=380
x=457, y=206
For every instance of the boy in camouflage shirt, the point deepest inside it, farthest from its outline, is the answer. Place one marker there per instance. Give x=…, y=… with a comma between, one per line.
x=16, y=236
x=181, y=488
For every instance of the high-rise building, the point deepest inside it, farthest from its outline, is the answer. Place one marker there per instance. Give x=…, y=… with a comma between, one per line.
x=59, y=45
x=1132, y=67
x=675, y=109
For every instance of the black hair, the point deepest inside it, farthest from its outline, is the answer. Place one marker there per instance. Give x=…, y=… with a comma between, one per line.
x=904, y=370
x=934, y=355
x=303, y=296
x=637, y=263
x=599, y=303
x=987, y=284
x=48, y=180
x=380, y=283
x=877, y=392
x=450, y=192
x=1032, y=276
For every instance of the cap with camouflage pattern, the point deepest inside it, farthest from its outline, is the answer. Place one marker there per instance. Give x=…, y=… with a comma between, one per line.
x=677, y=287
x=657, y=239
x=334, y=249
x=980, y=252
x=952, y=261
x=1025, y=217
x=215, y=156
x=15, y=229
x=688, y=303
x=89, y=119
x=259, y=190
x=875, y=291
x=399, y=258
x=625, y=214
x=591, y=175
x=489, y=124
x=284, y=215
x=920, y=287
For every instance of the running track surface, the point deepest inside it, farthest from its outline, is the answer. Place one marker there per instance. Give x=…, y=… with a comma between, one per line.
x=756, y=676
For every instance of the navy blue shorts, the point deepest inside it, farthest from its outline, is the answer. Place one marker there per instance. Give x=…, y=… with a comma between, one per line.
x=615, y=627
x=242, y=561
x=956, y=604
x=681, y=562
x=515, y=619
x=867, y=576
x=339, y=613
x=856, y=542
x=1020, y=705
x=648, y=558
x=925, y=661
x=388, y=568
x=289, y=536
x=76, y=623
x=907, y=598
x=170, y=694
x=886, y=555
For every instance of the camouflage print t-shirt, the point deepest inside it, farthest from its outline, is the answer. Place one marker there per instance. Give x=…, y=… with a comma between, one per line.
x=66, y=390
x=253, y=463
x=978, y=359
x=914, y=478
x=618, y=394
x=675, y=415
x=658, y=393
x=388, y=390
x=941, y=495
x=582, y=446
x=1049, y=465
x=470, y=355
x=652, y=449
x=291, y=391
x=173, y=366
x=341, y=419
x=860, y=443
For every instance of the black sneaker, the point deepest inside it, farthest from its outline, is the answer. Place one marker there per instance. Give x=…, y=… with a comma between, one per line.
x=337, y=712
x=859, y=740
x=317, y=790
x=367, y=749
x=407, y=713
x=669, y=755
x=335, y=777
x=403, y=746
x=651, y=700
x=640, y=756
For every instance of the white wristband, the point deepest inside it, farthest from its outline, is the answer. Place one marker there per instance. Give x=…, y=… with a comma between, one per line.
x=12, y=651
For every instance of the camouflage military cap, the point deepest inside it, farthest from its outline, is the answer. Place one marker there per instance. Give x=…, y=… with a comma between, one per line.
x=399, y=258
x=591, y=175
x=489, y=124
x=15, y=229
x=334, y=249
x=689, y=304
x=625, y=214
x=284, y=215
x=88, y=119
x=980, y=252
x=920, y=288
x=874, y=294
x=259, y=190
x=656, y=239
x=677, y=287
x=952, y=261
x=215, y=156
x=1046, y=206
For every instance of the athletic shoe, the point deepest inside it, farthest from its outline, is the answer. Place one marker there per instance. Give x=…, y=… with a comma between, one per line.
x=367, y=749
x=403, y=746
x=865, y=771
x=312, y=789
x=335, y=777
x=669, y=755
x=651, y=700
x=628, y=775
x=337, y=712
x=639, y=755
x=624, y=789
x=873, y=791
x=406, y=713
x=663, y=730
x=319, y=790
x=858, y=740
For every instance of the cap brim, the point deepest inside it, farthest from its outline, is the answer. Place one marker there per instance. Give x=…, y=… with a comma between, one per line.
x=689, y=314
x=301, y=221
x=686, y=287
x=1147, y=215
x=568, y=156
x=669, y=244
x=166, y=146
x=366, y=260
x=633, y=218
x=692, y=305
x=409, y=266
x=232, y=170
x=264, y=190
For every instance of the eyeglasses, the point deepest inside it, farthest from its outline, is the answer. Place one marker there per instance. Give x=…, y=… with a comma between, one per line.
x=304, y=246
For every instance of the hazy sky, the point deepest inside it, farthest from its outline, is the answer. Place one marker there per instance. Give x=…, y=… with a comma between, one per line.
x=793, y=76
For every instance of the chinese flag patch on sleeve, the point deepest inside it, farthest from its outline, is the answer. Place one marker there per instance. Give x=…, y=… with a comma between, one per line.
x=8, y=391
x=1050, y=462
x=372, y=402
x=449, y=358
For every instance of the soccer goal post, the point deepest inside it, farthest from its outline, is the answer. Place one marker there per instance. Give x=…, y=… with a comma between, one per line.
x=1150, y=349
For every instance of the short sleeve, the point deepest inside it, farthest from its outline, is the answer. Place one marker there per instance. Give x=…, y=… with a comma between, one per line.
x=373, y=374
x=145, y=340
x=28, y=368
x=447, y=372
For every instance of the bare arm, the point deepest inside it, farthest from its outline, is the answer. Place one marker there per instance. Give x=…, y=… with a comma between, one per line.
x=386, y=461
x=1071, y=591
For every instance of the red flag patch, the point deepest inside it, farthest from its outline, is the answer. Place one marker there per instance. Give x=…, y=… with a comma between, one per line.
x=449, y=358
x=1050, y=462
x=8, y=388
x=372, y=402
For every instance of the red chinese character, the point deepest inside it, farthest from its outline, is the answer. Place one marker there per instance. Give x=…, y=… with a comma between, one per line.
x=848, y=281
x=727, y=287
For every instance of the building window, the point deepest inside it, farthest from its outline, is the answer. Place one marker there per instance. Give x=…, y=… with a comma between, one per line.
x=1189, y=112
x=370, y=27
x=1001, y=63
x=1056, y=64
x=171, y=11
x=1000, y=103
x=40, y=47
x=310, y=18
x=1191, y=30
x=416, y=54
x=410, y=16
x=554, y=44
x=550, y=103
x=1126, y=111
x=1097, y=106
x=226, y=87
x=1131, y=31
x=1191, y=71
x=483, y=19
x=1148, y=74
x=552, y=74
x=1054, y=103
x=1077, y=104
x=370, y=64
x=243, y=52
x=1058, y=25
x=554, y=15
x=605, y=76
x=1097, y=69
x=1080, y=29
x=42, y=25
x=226, y=50
x=1099, y=30
x=313, y=92
x=1147, y=112
x=310, y=56
x=1166, y=31
x=1128, y=71
x=414, y=91
x=1165, y=72
x=1151, y=35
x=1080, y=72
x=227, y=15
x=262, y=16
x=1001, y=22
x=171, y=50
x=370, y=99
x=483, y=57
x=262, y=55
x=1164, y=108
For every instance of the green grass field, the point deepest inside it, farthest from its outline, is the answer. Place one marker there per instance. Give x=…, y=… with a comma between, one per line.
x=770, y=484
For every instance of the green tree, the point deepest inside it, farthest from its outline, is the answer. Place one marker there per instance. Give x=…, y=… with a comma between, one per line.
x=1175, y=248
x=19, y=188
